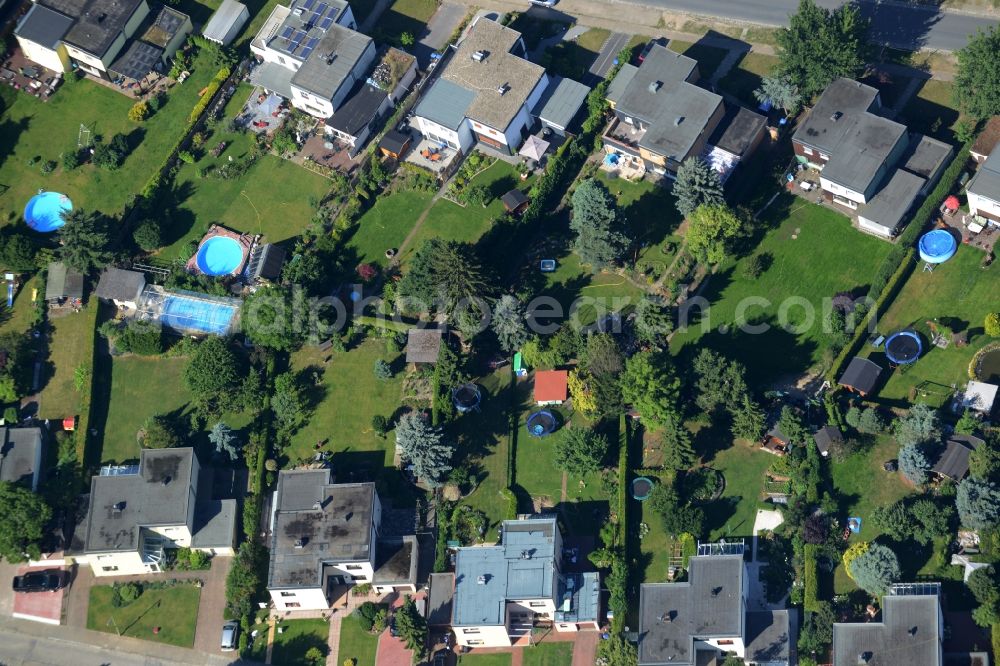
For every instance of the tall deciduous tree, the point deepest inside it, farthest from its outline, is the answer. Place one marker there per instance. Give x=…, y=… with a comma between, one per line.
x=508, y=323
x=22, y=522
x=271, y=317
x=820, y=45
x=719, y=381
x=85, y=240
x=423, y=446
x=580, y=450
x=697, y=184
x=711, y=232
x=977, y=83
x=599, y=240
x=213, y=372
x=651, y=385
x=779, y=91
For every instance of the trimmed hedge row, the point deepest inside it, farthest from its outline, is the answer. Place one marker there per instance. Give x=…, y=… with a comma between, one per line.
x=206, y=97
x=810, y=574
x=622, y=499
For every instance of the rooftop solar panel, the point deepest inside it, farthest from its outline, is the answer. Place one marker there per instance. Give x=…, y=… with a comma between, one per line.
x=308, y=4
x=287, y=32
x=326, y=23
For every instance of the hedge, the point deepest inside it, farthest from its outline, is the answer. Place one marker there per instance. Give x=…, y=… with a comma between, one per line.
x=995, y=639
x=811, y=575
x=622, y=499
x=206, y=97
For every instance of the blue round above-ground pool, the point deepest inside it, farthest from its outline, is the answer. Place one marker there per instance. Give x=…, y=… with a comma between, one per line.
x=937, y=246
x=642, y=488
x=903, y=347
x=45, y=211
x=219, y=255
x=541, y=423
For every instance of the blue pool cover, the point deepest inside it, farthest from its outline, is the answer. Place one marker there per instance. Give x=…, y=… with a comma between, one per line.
x=185, y=314
x=219, y=255
x=44, y=211
x=937, y=246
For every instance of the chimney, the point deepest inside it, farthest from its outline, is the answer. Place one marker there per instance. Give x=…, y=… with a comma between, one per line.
x=525, y=555
x=678, y=120
x=166, y=480
x=654, y=86
x=837, y=115
x=481, y=580
x=299, y=543
x=119, y=506
x=479, y=56
x=503, y=88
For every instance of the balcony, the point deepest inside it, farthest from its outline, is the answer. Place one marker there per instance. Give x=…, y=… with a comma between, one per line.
x=624, y=136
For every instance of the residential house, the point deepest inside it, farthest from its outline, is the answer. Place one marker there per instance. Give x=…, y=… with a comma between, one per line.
x=551, y=387
x=980, y=397
x=136, y=512
x=953, y=461
x=662, y=117
x=21, y=455
x=312, y=54
x=485, y=93
x=371, y=101
x=121, y=287
x=63, y=284
x=861, y=376
x=226, y=22
x=910, y=631
x=867, y=163
x=983, y=190
x=86, y=34
x=701, y=619
x=501, y=592
x=986, y=140
x=326, y=536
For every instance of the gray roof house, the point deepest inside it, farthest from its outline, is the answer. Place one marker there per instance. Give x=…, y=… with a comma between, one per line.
x=21, y=455
x=693, y=622
x=984, y=189
x=121, y=286
x=499, y=591
x=953, y=462
x=910, y=631
x=868, y=163
x=135, y=512
x=327, y=535
x=226, y=22
x=312, y=54
x=359, y=116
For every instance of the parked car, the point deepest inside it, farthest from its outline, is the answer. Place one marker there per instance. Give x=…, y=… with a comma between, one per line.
x=230, y=630
x=544, y=3
x=46, y=580
x=662, y=41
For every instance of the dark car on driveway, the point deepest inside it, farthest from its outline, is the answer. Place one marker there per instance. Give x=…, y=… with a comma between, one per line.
x=46, y=580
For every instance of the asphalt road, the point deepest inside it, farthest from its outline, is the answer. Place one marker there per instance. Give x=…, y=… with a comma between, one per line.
x=893, y=23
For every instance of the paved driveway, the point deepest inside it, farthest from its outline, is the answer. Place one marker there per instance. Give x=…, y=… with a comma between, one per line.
x=606, y=58
x=435, y=37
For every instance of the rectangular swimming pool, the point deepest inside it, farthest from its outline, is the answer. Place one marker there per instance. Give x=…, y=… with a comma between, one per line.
x=194, y=314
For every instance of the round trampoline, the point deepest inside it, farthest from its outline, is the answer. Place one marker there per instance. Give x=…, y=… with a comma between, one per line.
x=465, y=397
x=642, y=487
x=219, y=255
x=937, y=246
x=903, y=347
x=541, y=423
x=45, y=211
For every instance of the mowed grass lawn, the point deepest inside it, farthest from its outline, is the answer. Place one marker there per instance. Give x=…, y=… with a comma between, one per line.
x=387, y=224
x=140, y=387
x=958, y=293
x=356, y=643
x=733, y=514
x=746, y=77
x=549, y=654
x=933, y=111
x=19, y=318
x=649, y=212
x=407, y=16
x=47, y=129
x=494, y=659
x=71, y=345
x=290, y=646
x=173, y=609
x=587, y=294
x=814, y=254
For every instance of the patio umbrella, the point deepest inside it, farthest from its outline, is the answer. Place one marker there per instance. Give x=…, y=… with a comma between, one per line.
x=534, y=148
x=951, y=203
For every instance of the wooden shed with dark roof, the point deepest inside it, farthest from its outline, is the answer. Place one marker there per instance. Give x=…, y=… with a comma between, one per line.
x=515, y=201
x=861, y=375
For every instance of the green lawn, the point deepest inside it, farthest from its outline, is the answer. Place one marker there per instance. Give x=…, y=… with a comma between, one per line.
x=19, y=318
x=655, y=545
x=387, y=224
x=746, y=77
x=173, y=609
x=933, y=111
x=549, y=654
x=71, y=345
x=574, y=58
x=342, y=409
x=481, y=440
x=958, y=294
x=44, y=130
x=291, y=646
x=600, y=293
x=356, y=643
x=649, y=212
x=489, y=659
x=815, y=254
x=861, y=485
x=709, y=57
x=449, y=221
x=732, y=515
x=534, y=29
x=140, y=388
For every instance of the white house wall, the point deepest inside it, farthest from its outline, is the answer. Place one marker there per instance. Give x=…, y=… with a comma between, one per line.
x=116, y=564
x=300, y=599
x=979, y=203
x=483, y=636
x=830, y=186
x=48, y=58
x=461, y=138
